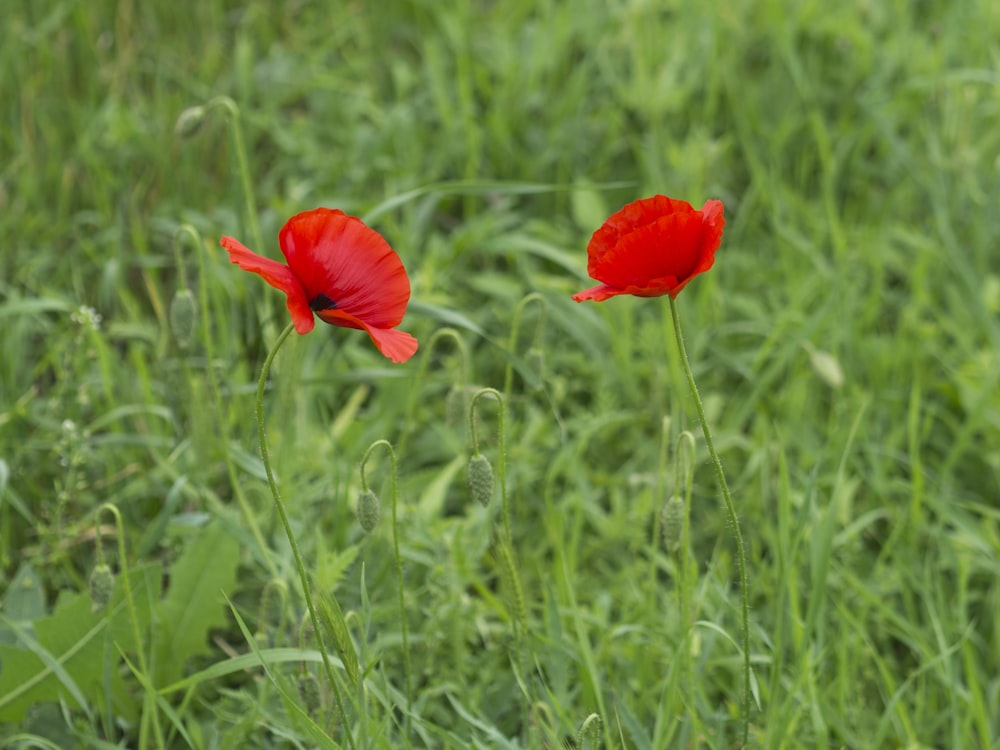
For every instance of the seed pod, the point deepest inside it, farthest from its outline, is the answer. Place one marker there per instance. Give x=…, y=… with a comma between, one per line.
x=184, y=318
x=672, y=522
x=369, y=510
x=481, y=479
x=102, y=586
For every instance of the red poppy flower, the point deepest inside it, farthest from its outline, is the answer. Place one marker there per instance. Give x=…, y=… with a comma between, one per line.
x=652, y=247
x=341, y=270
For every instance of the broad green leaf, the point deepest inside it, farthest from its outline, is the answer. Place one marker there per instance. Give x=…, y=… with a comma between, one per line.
x=63, y=656
x=24, y=599
x=194, y=603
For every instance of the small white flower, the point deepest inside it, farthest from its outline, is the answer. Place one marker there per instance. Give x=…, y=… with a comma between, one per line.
x=87, y=316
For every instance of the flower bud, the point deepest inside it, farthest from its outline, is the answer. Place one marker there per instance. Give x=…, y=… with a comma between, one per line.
x=481, y=479
x=184, y=317
x=102, y=586
x=369, y=510
x=672, y=522
x=189, y=121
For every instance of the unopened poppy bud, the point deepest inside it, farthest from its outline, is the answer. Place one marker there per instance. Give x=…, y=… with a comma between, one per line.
x=672, y=521
x=102, y=586
x=369, y=510
x=481, y=479
x=184, y=317
x=189, y=121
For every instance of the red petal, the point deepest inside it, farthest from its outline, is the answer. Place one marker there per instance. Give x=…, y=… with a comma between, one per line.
x=634, y=215
x=668, y=246
x=396, y=345
x=277, y=275
x=597, y=293
x=713, y=223
x=338, y=256
x=653, y=246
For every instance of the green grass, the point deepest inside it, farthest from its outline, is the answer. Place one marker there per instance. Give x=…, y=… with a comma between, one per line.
x=845, y=344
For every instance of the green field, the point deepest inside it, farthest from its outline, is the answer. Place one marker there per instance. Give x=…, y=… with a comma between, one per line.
x=846, y=345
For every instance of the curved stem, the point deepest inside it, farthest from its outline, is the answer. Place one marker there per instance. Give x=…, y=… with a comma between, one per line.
x=283, y=515
x=501, y=450
x=418, y=379
x=233, y=110
x=508, y=378
x=733, y=520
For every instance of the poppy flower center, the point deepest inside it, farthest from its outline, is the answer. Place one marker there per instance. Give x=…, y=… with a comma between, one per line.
x=321, y=302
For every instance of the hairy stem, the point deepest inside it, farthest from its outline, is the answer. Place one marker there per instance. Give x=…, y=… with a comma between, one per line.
x=283, y=515
x=733, y=521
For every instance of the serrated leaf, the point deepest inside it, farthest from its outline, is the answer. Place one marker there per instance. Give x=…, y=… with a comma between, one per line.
x=332, y=566
x=194, y=603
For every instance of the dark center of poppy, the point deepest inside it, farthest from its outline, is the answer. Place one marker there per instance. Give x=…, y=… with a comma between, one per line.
x=321, y=302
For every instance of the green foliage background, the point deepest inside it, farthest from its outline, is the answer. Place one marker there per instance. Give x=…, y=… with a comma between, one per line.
x=846, y=344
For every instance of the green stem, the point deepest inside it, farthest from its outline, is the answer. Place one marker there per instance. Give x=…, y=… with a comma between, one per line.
x=501, y=451
x=505, y=546
x=408, y=681
x=418, y=380
x=733, y=520
x=685, y=592
x=242, y=165
x=508, y=378
x=150, y=712
x=283, y=515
